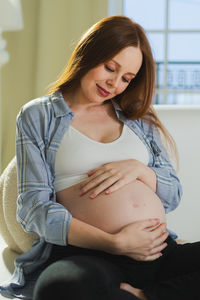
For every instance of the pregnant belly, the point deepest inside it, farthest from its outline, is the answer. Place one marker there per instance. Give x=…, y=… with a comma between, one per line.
x=133, y=202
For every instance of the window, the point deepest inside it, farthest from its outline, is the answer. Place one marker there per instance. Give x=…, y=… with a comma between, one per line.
x=173, y=29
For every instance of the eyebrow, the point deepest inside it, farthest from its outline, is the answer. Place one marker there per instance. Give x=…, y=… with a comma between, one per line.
x=120, y=67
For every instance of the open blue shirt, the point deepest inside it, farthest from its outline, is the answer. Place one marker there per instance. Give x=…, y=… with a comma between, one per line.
x=41, y=124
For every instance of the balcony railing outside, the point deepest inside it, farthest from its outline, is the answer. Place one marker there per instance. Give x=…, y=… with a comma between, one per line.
x=183, y=83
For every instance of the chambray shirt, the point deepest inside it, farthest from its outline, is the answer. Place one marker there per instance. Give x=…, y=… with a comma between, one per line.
x=41, y=124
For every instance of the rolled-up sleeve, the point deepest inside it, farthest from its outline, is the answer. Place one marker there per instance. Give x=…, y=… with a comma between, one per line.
x=37, y=210
x=169, y=188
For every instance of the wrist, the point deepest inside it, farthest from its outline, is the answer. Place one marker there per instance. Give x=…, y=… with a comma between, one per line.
x=111, y=243
x=148, y=177
x=115, y=244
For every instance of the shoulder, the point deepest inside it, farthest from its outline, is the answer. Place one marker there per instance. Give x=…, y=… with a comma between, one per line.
x=33, y=120
x=35, y=109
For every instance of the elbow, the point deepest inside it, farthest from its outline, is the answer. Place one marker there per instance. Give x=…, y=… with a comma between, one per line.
x=174, y=199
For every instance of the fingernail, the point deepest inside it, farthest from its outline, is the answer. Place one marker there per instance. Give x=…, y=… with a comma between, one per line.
x=92, y=196
x=107, y=192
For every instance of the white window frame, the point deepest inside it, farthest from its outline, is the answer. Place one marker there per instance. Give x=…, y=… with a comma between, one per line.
x=115, y=7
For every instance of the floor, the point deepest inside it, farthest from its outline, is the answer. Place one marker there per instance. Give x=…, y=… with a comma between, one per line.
x=6, y=263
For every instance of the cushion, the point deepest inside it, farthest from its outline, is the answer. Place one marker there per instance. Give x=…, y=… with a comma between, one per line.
x=12, y=232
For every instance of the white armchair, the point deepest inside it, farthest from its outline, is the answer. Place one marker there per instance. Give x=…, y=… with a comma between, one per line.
x=14, y=236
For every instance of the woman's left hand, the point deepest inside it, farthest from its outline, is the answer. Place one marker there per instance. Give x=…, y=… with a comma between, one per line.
x=112, y=176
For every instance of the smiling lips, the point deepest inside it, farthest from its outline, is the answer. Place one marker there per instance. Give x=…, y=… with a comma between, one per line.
x=102, y=92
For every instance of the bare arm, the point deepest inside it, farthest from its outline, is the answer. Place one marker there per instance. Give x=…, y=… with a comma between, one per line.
x=133, y=240
x=83, y=235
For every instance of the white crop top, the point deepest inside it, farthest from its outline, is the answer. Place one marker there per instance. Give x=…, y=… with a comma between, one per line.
x=78, y=154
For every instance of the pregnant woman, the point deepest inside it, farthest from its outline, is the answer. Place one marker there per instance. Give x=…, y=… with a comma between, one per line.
x=95, y=182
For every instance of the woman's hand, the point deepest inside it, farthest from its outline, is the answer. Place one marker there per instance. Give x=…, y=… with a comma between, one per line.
x=136, y=241
x=112, y=176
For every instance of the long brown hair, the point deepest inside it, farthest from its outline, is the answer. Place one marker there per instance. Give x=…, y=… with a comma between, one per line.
x=99, y=44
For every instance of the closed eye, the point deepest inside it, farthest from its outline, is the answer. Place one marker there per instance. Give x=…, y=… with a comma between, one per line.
x=109, y=69
x=125, y=80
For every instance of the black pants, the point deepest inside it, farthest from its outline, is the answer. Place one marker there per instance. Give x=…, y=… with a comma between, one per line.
x=84, y=274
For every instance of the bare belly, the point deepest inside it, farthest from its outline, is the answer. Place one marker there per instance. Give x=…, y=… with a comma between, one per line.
x=133, y=202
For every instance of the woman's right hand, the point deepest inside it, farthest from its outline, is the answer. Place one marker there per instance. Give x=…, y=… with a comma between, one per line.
x=138, y=242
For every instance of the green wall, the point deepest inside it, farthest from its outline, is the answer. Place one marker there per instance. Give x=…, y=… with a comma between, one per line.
x=38, y=54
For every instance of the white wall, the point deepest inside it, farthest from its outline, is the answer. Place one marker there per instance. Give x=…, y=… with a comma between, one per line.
x=183, y=122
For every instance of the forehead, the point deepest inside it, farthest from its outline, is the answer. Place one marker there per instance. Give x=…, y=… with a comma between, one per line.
x=129, y=58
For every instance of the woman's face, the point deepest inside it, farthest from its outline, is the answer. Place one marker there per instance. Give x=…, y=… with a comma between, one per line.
x=112, y=77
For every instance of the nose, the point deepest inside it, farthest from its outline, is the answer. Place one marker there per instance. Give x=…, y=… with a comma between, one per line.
x=113, y=81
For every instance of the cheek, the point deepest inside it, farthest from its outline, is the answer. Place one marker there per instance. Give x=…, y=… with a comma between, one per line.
x=86, y=81
x=100, y=75
x=122, y=88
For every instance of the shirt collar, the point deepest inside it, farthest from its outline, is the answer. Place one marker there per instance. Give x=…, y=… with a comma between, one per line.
x=59, y=105
x=116, y=105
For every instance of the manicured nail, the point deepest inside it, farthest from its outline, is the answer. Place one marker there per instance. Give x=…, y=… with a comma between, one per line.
x=90, y=173
x=92, y=196
x=107, y=192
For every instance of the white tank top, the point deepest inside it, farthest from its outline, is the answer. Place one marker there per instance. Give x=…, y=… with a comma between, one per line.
x=79, y=154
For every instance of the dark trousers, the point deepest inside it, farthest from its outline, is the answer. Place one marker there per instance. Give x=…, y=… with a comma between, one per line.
x=84, y=274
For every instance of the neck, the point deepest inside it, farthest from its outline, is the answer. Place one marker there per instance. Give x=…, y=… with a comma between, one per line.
x=76, y=102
